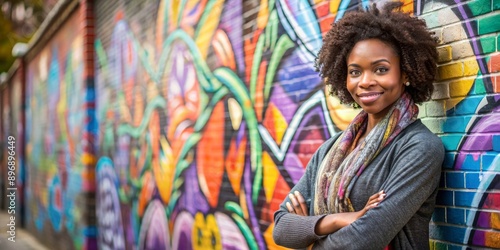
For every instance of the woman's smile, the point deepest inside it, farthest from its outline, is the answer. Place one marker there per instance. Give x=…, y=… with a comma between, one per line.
x=368, y=97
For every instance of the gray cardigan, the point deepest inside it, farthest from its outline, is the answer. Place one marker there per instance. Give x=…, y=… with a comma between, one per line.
x=408, y=170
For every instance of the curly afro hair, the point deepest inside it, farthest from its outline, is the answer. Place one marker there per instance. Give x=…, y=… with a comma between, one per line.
x=407, y=35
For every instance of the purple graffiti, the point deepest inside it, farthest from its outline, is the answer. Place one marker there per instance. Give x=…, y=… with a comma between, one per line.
x=110, y=226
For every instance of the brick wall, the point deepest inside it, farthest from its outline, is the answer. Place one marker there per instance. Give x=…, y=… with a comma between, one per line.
x=60, y=132
x=464, y=113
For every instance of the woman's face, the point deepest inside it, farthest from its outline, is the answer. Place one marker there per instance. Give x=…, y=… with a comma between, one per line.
x=374, y=77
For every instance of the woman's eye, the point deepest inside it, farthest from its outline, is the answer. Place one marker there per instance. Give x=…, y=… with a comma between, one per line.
x=381, y=70
x=354, y=72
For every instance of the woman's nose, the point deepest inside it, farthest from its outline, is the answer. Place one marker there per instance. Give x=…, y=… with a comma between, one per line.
x=366, y=80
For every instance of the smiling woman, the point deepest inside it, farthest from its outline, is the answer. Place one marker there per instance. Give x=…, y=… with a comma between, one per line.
x=374, y=185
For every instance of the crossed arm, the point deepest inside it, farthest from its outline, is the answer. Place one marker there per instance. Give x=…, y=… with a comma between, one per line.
x=331, y=222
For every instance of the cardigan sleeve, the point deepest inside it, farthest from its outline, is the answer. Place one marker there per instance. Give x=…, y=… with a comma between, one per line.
x=296, y=231
x=413, y=181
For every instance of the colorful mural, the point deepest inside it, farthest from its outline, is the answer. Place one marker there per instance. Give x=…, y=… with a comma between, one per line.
x=471, y=138
x=205, y=124
x=54, y=127
x=208, y=117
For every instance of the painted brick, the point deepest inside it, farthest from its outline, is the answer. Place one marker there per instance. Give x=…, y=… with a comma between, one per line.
x=496, y=84
x=431, y=20
x=468, y=105
x=455, y=247
x=455, y=124
x=450, y=105
x=460, y=87
x=442, y=180
x=484, y=219
x=440, y=246
x=439, y=214
x=441, y=91
x=449, y=160
x=447, y=233
x=432, y=244
x=461, y=50
x=472, y=180
x=444, y=198
x=471, y=27
x=479, y=88
x=451, y=141
x=486, y=238
x=489, y=24
x=455, y=180
x=450, y=71
x=470, y=212
x=496, y=5
x=471, y=161
x=434, y=108
x=444, y=54
x=479, y=7
x=494, y=63
x=446, y=16
x=453, y=33
x=495, y=141
x=481, y=142
x=455, y=216
x=488, y=44
x=464, y=198
x=434, y=124
x=487, y=162
x=495, y=220
x=421, y=111
x=471, y=67
x=498, y=43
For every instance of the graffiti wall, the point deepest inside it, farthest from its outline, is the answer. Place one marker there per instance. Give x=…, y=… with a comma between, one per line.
x=469, y=201
x=210, y=110
x=55, y=123
x=206, y=119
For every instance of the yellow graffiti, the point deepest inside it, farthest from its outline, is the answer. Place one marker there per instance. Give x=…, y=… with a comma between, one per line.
x=340, y=114
x=206, y=31
x=164, y=171
x=334, y=6
x=263, y=16
x=271, y=175
x=206, y=233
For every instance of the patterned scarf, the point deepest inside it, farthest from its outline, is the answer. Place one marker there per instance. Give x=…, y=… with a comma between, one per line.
x=343, y=164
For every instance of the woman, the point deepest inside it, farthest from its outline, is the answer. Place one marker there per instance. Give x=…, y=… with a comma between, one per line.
x=373, y=186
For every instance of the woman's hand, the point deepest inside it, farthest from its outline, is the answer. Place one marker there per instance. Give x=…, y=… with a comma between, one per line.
x=373, y=201
x=298, y=205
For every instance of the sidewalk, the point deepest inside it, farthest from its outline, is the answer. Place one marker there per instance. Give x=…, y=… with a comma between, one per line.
x=24, y=240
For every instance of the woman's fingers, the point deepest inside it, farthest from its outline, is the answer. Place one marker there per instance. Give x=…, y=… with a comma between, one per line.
x=290, y=208
x=374, y=200
x=297, y=204
x=302, y=202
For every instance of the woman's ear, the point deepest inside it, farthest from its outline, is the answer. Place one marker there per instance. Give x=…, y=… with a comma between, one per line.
x=404, y=79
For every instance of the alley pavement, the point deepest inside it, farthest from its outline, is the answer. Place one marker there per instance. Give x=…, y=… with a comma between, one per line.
x=23, y=239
